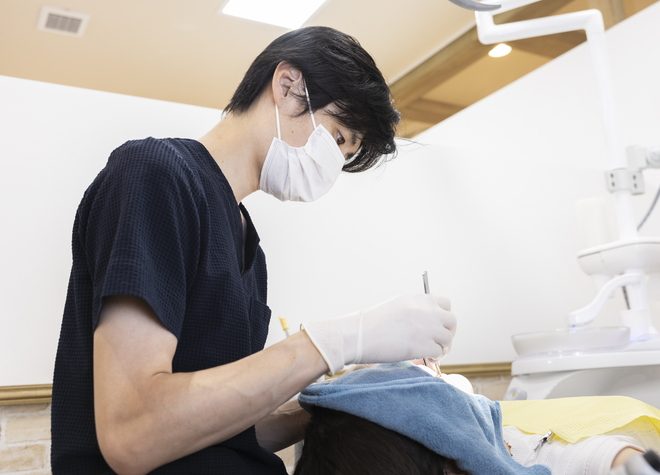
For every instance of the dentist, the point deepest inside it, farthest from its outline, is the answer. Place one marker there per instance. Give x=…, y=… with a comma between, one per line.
x=161, y=366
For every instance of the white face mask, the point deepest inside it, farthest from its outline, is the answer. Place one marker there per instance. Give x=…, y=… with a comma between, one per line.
x=301, y=173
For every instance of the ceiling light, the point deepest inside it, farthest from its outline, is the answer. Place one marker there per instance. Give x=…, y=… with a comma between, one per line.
x=286, y=13
x=499, y=51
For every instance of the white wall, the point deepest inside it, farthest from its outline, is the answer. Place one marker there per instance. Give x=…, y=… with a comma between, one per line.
x=484, y=202
x=54, y=140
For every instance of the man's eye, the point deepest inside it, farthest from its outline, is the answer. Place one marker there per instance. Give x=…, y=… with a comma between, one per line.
x=341, y=140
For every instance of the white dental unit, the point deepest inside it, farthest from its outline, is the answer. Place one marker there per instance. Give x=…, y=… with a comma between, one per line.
x=583, y=359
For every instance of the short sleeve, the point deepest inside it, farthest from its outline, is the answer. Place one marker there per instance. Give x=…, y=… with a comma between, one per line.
x=140, y=228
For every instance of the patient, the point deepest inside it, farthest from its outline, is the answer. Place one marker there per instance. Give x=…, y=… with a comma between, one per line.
x=397, y=419
x=341, y=443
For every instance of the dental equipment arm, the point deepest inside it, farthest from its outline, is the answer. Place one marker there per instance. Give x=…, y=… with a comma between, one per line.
x=587, y=314
x=475, y=6
x=403, y=328
x=591, y=21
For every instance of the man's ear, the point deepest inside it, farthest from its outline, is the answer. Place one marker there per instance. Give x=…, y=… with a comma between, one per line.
x=286, y=79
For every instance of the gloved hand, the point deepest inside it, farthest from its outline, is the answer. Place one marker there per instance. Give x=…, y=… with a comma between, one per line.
x=403, y=328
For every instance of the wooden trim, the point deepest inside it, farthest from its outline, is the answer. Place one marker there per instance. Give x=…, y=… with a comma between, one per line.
x=31, y=394
x=478, y=370
x=42, y=393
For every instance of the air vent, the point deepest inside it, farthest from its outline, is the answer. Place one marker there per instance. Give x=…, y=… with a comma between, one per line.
x=61, y=21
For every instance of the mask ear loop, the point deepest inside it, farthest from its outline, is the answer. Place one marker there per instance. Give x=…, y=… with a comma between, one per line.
x=277, y=120
x=309, y=104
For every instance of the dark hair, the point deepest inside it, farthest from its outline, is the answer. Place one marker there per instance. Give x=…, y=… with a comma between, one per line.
x=337, y=443
x=335, y=69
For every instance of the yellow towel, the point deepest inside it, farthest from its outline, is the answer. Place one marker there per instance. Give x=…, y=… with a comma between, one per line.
x=575, y=418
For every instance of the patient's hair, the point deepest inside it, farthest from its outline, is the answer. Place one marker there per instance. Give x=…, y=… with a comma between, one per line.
x=337, y=443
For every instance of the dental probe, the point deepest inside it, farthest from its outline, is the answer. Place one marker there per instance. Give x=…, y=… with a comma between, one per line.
x=436, y=366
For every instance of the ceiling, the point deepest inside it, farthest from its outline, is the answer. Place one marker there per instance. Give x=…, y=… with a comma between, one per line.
x=185, y=51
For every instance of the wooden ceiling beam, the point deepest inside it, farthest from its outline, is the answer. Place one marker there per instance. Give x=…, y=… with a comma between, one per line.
x=535, y=10
x=431, y=112
x=444, y=64
x=408, y=91
x=550, y=46
x=459, y=54
x=613, y=11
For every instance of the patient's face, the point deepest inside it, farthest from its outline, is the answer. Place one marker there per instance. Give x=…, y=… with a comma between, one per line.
x=456, y=380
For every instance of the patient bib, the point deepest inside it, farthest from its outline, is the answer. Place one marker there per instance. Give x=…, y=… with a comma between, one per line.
x=573, y=419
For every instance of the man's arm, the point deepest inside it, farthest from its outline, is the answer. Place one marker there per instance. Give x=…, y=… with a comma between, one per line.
x=147, y=416
x=282, y=428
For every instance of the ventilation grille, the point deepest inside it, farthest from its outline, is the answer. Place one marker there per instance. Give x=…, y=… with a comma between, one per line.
x=62, y=21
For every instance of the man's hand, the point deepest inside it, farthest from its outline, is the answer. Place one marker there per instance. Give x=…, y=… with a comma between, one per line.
x=402, y=328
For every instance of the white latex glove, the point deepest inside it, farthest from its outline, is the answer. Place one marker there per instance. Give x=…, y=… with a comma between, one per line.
x=403, y=328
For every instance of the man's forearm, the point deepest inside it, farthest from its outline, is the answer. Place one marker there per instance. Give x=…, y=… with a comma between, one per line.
x=148, y=417
x=283, y=427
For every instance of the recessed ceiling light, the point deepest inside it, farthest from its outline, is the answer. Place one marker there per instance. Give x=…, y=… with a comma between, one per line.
x=499, y=51
x=286, y=13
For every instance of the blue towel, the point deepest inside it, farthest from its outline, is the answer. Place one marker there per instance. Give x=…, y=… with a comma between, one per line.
x=407, y=400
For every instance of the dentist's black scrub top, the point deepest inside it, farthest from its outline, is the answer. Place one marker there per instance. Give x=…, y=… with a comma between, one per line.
x=161, y=222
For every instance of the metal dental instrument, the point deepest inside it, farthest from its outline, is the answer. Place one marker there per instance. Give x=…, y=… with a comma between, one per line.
x=434, y=366
x=542, y=441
